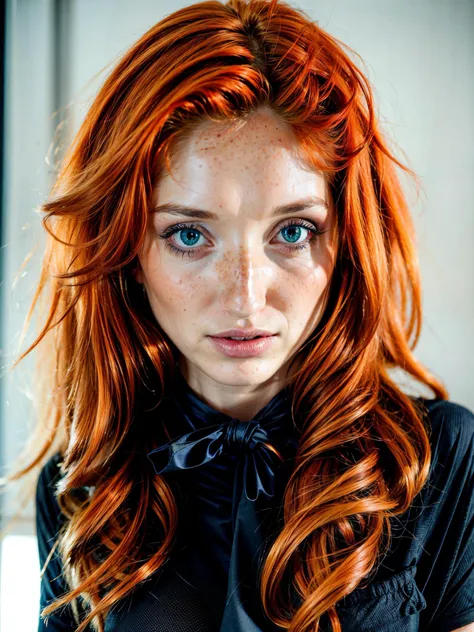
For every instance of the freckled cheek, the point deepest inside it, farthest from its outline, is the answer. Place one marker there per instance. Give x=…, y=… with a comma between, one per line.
x=308, y=274
x=302, y=291
x=177, y=293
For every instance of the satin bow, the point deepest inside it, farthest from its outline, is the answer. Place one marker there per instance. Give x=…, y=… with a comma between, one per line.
x=204, y=444
x=259, y=480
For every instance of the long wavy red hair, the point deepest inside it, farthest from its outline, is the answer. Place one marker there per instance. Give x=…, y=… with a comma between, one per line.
x=364, y=450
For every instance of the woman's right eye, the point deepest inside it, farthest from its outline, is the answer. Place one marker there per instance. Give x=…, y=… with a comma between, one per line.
x=189, y=235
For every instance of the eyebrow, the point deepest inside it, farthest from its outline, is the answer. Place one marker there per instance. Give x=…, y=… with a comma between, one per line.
x=282, y=209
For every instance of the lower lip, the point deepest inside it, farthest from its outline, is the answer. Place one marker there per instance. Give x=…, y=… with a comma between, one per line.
x=243, y=348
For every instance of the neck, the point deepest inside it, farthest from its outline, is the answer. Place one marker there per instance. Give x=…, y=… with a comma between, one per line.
x=239, y=401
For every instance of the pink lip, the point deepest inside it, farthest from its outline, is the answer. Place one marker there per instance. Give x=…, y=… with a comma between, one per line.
x=242, y=333
x=243, y=348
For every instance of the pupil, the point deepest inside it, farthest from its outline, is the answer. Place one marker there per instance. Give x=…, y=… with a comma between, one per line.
x=293, y=229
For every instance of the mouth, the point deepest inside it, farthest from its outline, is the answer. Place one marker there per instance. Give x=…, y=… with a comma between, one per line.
x=239, y=337
x=240, y=348
x=243, y=334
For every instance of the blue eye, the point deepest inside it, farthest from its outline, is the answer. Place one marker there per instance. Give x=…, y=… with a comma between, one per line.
x=293, y=232
x=189, y=234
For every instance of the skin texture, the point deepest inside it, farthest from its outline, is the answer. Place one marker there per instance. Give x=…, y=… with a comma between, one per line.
x=243, y=271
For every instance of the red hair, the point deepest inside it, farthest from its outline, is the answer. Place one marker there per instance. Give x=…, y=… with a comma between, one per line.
x=364, y=450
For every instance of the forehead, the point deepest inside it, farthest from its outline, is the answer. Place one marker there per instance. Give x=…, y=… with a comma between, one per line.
x=254, y=163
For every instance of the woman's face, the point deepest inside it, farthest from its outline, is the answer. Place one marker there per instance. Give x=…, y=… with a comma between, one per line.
x=247, y=266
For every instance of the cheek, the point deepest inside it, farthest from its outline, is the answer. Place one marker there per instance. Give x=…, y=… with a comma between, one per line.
x=303, y=295
x=305, y=278
x=312, y=276
x=174, y=294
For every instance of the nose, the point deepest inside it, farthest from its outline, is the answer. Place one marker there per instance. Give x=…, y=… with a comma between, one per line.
x=246, y=283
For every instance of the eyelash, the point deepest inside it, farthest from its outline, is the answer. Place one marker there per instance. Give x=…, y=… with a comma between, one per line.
x=188, y=252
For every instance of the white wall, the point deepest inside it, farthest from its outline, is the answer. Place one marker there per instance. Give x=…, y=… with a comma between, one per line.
x=419, y=55
x=29, y=87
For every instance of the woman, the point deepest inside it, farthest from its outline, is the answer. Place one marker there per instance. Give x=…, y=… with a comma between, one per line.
x=231, y=181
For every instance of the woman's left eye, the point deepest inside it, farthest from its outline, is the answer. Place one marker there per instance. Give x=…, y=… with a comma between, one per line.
x=292, y=231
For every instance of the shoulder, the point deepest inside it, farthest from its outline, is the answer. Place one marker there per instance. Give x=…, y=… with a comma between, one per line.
x=51, y=468
x=447, y=411
x=445, y=526
x=48, y=512
x=451, y=429
x=49, y=474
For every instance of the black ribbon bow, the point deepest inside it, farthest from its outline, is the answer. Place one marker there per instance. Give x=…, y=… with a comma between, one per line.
x=260, y=475
x=236, y=437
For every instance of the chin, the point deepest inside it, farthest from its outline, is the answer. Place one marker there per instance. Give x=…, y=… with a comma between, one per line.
x=244, y=372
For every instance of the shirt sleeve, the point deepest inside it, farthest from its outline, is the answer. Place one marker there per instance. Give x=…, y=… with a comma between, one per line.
x=48, y=521
x=456, y=607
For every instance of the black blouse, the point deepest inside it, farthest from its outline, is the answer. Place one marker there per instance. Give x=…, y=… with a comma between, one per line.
x=230, y=512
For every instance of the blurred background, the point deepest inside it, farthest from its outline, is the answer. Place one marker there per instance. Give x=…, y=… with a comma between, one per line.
x=56, y=53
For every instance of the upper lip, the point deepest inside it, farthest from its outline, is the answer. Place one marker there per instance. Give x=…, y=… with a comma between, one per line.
x=242, y=333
